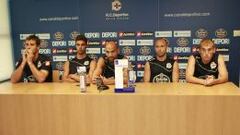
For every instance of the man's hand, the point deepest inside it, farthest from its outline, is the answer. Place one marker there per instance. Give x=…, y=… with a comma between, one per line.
x=107, y=81
x=210, y=80
x=30, y=56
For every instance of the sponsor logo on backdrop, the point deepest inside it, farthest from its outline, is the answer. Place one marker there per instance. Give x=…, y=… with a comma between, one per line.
x=126, y=34
x=169, y=50
x=144, y=57
x=71, y=43
x=127, y=50
x=91, y=43
x=93, y=56
x=24, y=36
x=177, y=57
x=144, y=34
x=104, y=42
x=126, y=42
x=59, y=43
x=59, y=51
x=148, y=42
x=163, y=33
x=222, y=50
x=71, y=57
x=221, y=41
x=196, y=41
x=182, y=49
x=59, y=66
x=109, y=34
x=236, y=33
x=72, y=50
x=131, y=57
x=73, y=35
x=115, y=14
x=145, y=50
x=182, y=42
x=225, y=58
x=221, y=33
x=140, y=73
x=116, y=5
x=44, y=44
x=184, y=33
x=45, y=51
x=45, y=36
x=201, y=33
x=92, y=35
x=60, y=58
x=93, y=50
x=140, y=66
x=58, y=36
x=103, y=50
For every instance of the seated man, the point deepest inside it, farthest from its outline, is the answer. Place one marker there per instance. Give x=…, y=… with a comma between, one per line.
x=105, y=64
x=81, y=59
x=206, y=67
x=161, y=68
x=32, y=66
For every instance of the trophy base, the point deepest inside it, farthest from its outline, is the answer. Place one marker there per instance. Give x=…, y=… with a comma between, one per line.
x=125, y=90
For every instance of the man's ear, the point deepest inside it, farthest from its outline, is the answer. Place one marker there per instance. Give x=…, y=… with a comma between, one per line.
x=214, y=49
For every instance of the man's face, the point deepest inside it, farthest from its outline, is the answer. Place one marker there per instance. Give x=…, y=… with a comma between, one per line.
x=160, y=48
x=207, y=50
x=81, y=47
x=111, y=51
x=31, y=46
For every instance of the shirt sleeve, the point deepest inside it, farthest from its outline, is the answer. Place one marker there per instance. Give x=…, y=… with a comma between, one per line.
x=46, y=64
x=18, y=63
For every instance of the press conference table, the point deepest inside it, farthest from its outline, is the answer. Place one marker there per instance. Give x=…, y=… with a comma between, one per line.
x=154, y=109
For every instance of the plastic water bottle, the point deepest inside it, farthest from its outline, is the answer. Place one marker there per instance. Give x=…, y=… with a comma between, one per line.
x=83, y=78
x=131, y=76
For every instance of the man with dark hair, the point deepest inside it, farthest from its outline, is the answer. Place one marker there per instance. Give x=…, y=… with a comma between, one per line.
x=161, y=68
x=105, y=65
x=81, y=59
x=32, y=66
x=206, y=67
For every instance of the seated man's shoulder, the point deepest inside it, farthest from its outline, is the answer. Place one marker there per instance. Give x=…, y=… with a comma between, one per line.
x=152, y=59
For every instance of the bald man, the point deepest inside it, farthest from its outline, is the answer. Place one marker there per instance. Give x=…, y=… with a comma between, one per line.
x=162, y=67
x=206, y=67
x=105, y=64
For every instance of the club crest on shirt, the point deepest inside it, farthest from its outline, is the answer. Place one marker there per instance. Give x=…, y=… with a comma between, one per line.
x=39, y=64
x=86, y=63
x=161, y=78
x=213, y=65
x=168, y=65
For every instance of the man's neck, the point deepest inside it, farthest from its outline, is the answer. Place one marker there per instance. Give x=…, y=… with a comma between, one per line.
x=81, y=56
x=162, y=58
x=205, y=62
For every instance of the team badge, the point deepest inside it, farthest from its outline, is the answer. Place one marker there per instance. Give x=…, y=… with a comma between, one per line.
x=168, y=65
x=86, y=63
x=39, y=64
x=213, y=65
x=161, y=78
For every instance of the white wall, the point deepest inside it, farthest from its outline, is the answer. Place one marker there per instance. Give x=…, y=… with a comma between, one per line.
x=6, y=56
